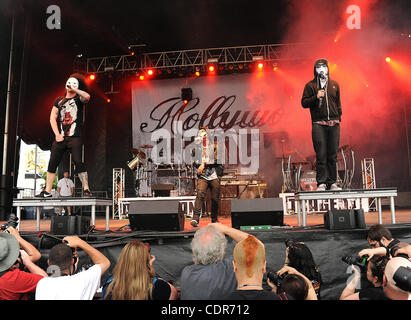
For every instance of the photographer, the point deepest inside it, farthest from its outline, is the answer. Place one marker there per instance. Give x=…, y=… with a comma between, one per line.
x=382, y=242
x=299, y=257
x=63, y=284
x=397, y=279
x=375, y=272
x=294, y=284
x=17, y=255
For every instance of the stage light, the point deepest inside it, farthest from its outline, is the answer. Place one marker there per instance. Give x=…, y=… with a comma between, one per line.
x=388, y=59
x=211, y=68
x=197, y=73
x=141, y=77
x=260, y=66
x=275, y=68
x=150, y=72
x=108, y=100
x=92, y=77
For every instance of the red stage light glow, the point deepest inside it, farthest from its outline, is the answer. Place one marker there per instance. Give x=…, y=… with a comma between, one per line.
x=141, y=77
x=260, y=66
x=150, y=72
x=197, y=73
x=388, y=59
x=211, y=68
x=92, y=77
x=108, y=100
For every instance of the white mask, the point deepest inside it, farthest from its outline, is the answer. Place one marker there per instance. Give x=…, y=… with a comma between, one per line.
x=72, y=83
x=322, y=69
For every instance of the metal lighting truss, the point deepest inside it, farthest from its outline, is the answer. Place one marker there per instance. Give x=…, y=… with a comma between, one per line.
x=368, y=178
x=118, y=191
x=197, y=57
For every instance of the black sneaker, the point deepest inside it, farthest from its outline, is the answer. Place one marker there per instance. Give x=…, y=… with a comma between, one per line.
x=44, y=194
x=87, y=193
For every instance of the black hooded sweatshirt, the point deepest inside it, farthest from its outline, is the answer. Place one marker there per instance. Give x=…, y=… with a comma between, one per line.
x=330, y=109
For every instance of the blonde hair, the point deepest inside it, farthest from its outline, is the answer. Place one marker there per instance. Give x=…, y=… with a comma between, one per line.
x=133, y=274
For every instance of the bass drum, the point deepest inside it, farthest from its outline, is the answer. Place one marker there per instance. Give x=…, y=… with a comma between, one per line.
x=308, y=181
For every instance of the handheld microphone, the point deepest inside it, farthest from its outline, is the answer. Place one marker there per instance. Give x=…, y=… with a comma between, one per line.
x=322, y=77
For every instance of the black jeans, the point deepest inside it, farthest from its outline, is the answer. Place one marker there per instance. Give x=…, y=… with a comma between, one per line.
x=326, y=140
x=202, y=186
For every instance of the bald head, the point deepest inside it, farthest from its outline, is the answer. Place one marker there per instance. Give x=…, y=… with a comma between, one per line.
x=249, y=257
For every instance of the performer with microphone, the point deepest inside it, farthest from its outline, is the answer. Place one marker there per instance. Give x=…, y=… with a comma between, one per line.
x=209, y=172
x=322, y=96
x=66, y=120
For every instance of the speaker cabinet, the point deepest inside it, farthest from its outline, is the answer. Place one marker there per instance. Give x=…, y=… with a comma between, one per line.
x=160, y=215
x=68, y=225
x=359, y=219
x=339, y=219
x=257, y=212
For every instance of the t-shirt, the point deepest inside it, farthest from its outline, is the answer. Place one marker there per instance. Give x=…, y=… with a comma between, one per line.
x=70, y=116
x=255, y=295
x=372, y=293
x=16, y=284
x=208, y=282
x=80, y=286
x=65, y=186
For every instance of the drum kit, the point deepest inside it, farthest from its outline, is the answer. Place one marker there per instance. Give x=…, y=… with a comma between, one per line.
x=298, y=177
x=150, y=176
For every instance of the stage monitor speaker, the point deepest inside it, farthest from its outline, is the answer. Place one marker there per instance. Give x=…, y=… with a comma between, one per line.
x=68, y=225
x=257, y=212
x=359, y=219
x=339, y=219
x=156, y=215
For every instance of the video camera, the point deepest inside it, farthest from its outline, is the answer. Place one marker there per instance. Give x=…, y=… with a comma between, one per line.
x=360, y=262
x=12, y=221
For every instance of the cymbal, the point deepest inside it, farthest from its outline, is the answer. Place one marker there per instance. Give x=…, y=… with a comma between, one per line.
x=146, y=146
x=138, y=152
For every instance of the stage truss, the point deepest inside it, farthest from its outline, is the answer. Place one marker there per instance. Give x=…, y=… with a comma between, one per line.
x=197, y=57
x=118, y=191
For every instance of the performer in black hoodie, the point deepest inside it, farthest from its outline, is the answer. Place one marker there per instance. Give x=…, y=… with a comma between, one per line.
x=322, y=96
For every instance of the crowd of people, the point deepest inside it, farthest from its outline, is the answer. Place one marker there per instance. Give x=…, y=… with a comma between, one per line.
x=214, y=275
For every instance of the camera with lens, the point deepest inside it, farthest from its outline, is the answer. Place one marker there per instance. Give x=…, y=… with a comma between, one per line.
x=289, y=243
x=402, y=278
x=360, y=262
x=12, y=221
x=275, y=278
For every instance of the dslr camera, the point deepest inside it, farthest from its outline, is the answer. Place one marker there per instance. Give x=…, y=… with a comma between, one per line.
x=289, y=243
x=12, y=221
x=275, y=278
x=360, y=262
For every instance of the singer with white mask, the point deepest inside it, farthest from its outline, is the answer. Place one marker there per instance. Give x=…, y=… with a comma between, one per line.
x=66, y=120
x=322, y=96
